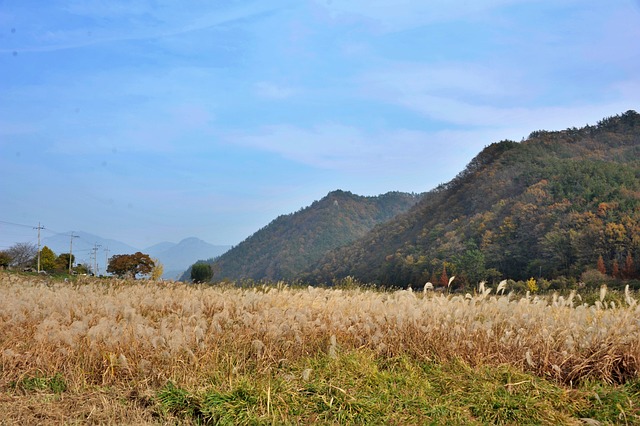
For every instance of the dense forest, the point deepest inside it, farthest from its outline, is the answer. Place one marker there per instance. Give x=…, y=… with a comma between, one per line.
x=557, y=205
x=292, y=243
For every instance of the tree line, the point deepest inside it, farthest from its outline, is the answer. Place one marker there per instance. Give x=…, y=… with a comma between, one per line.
x=25, y=257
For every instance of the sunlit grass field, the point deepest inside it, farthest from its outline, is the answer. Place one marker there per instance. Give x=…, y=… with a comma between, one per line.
x=140, y=352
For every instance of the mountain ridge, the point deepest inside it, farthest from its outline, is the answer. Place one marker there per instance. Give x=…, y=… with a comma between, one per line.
x=517, y=210
x=291, y=242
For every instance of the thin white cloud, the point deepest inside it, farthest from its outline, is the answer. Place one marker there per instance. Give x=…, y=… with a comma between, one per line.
x=393, y=15
x=469, y=79
x=616, y=32
x=481, y=101
x=192, y=115
x=108, y=8
x=324, y=146
x=498, y=96
x=482, y=113
x=271, y=90
x=351, y=149
x=139, y=111
x=136, y=21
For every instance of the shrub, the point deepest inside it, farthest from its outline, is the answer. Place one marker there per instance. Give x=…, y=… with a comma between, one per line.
x=201, y=272
x=592, y=278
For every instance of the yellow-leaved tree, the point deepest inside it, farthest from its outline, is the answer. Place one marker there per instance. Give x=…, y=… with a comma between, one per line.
x=47, y=259
x=532, y=285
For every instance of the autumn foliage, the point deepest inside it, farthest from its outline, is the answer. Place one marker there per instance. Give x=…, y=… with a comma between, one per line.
x=550, y=206
x=130, y=265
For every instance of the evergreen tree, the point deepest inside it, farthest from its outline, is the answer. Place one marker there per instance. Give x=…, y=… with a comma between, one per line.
x=63, y=262
x=47, y=259
x=5, y=259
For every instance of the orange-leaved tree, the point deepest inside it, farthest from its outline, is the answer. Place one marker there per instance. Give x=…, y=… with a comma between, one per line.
x=130, y=265
x=601, y=268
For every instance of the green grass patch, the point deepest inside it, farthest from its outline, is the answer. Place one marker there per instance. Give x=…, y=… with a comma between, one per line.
x=364, y=388
x=55, y=384
x=609, y=404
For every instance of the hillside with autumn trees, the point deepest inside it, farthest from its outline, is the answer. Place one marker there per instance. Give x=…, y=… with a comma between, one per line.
x=292, y=243
x=560, y=205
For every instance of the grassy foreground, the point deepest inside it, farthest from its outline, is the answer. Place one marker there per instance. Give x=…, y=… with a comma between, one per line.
x=115, y=352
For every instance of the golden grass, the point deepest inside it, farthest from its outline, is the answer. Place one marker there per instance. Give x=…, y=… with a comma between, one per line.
x=113, y=344
x=140, y=335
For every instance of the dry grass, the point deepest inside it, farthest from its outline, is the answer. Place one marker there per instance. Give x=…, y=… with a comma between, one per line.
x=139, y=335
x=93, y=407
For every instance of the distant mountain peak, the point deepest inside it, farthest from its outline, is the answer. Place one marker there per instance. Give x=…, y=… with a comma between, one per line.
x=192, y=240
x=292, y=242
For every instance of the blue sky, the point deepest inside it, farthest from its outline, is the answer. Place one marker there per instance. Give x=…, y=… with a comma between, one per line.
x=148, y=121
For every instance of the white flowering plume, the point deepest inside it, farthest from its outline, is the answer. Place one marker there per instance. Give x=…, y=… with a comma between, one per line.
x=116, y=329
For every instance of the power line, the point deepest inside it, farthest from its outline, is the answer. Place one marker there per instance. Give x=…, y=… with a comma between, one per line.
x=16, y=224
x=22, y=225
x=10, y=232
x=15, y=236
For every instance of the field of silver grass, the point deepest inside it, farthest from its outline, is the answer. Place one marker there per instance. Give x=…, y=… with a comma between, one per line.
x=113, y=331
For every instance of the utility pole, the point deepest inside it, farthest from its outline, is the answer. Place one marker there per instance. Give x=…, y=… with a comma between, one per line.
x=106, y=259
x=39, y=228
x=71, y=251
x=94, y=253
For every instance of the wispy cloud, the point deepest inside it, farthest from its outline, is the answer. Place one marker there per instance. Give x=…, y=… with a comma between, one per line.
x=129, y=21
x=479, y=96
x=452, y=79
x=108, y=8
x=352, y=149
x=394, y=15
x=138, y=110
x=270, y=90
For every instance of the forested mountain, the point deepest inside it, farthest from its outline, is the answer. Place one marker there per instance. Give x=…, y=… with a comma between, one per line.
x=548, y=206
x=291, y=243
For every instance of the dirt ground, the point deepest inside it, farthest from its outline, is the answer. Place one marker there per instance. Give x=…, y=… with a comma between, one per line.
x=98, y=407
